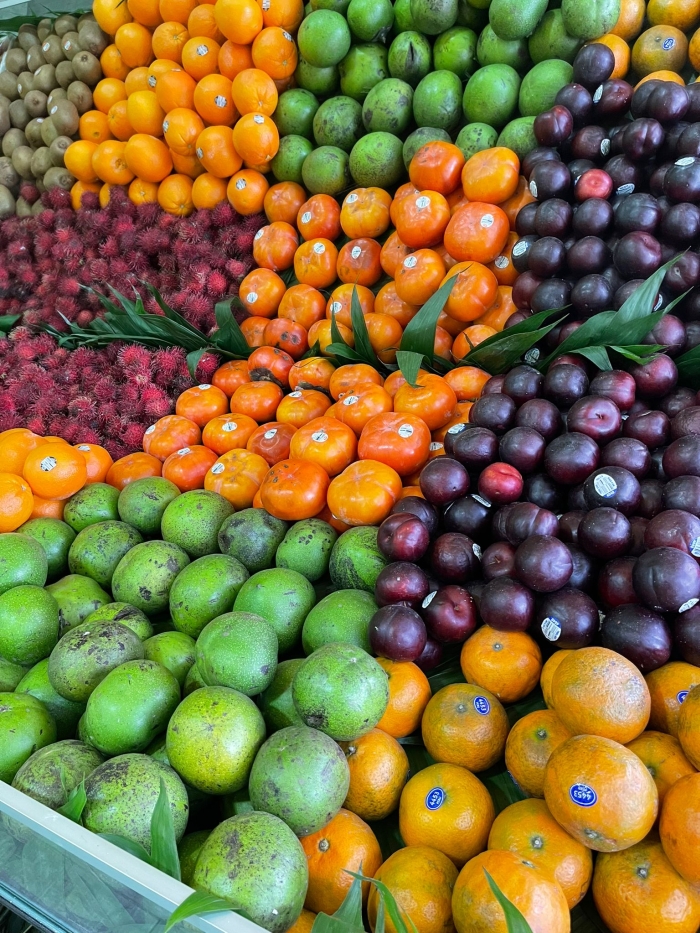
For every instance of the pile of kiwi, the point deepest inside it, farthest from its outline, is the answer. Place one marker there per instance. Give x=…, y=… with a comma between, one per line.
x=46, y=81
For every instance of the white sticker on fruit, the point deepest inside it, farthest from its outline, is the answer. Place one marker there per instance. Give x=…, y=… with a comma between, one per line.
x=202, y=50
x=306, y=217
x=605, y=485
x=46, y=46
x=410, y=262
x=477, y=551
x=199, y=153
x=351, y=198
x=533, y=189
x=481, y=705
x=626, y=189
x=252, y=298
x=286, y=36
x=428, y=599
x=519, y=248
x=184, y=450
x=532, y=355
x=583, y=795
x=351, y=399
x=551, y=628
x=319, y=249
x=501, y=262
x=204, y=386
x=320, y=437
x=151, y=429
x=686, y=160
x=258, y=118
x=296, y=394
x=695, y=547
x=266, y=4
x=456, y=428
x=605, y=147
x=67, y=45
x=217, y=468
x=268, y=435
x=688, y=605
x=53, y=109
x=486, y=221
x=83, y=447
x=435, y=445
x=166, y=126
x=241, y=184
x=682, y=695
x=482, y=501
x=152, y=81
x=336, y=306
x=422, y=202
x=598, y=94
x=405, y=430
x=259, y=234
x=220, y=101
x=356, y=252
x=229, y=426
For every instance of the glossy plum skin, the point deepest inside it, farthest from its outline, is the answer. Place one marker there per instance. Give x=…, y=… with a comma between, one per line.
x=543, y=563
x=638, y=634
x=507, y=605
x=449, y=614
x=666, y=579
x=401, y=582
x=443, y=480
x=403, y=536
x=567, y=619
x=397, y=633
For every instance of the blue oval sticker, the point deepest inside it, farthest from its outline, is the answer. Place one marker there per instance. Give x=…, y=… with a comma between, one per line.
x=668, y=44
x=682, y=695
x=583, y=795
x=435, y=798
x=482, y=706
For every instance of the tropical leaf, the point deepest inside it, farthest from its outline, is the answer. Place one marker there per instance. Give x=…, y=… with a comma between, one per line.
x=198, y=904
x=598, y=356
x=402, y=922
x=419, y=335
x=229, y=335
x=8, y=321
x=193, y=360
x=409, y=364
x=515, y=921
x=128, y=845
x=499, y=353
x=163, y=842
x=689, y=368
x=347, y=918
x=74, y=806
x=363, y=347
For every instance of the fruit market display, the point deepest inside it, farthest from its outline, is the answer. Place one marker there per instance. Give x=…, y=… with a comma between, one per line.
x=350, y=520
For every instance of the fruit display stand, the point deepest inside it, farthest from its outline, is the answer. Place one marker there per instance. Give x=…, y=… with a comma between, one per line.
x=64, y=879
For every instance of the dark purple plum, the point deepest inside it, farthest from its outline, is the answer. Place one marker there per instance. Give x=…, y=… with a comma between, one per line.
x=495, y=412
x=474, y=446
x=567, y=619
x=677, y=400
x=569, y=524
x=681, y=276
x=397, y=633
x=576, y=499
x=541, y=415
x=449, y=614
x=668, y=103
x=593, y=218
x=507, y=605
x=454, y=558
x=626, y=175
x=615, y=487
x=524, y=290
x=655, y=378
x=543, y=563
x=629, y=453
x=415, y=505
x=616, y=385
x=615, y=582
x=403, y=536
x=520, y=255
x=683, y=492
x=565, y=384
x=682, y=457
x=578, y=166
x=543, y=491
x=577, y=100
x=523, y=383
x=401, y=582
x=525, y=221
x=498, y=525
x=546, y=256
x=523, y=448
x=626, y=291
x=443, y=480
x=612, y=100
x=652, y=428
x=657, y=464
x=550, y=180
x=588, y=255
x=638, y=526
x=642, y=138
x=553, y=218
x=652, y=498
x=469, y=516
x=641, y=636
x=591, y=295
x=498, y=560
x=585, y=569
x=593, y=65
x=682, y=180
x=525, y=519
x=674, y=528
x=553, y=126
x=686, y=422
x=666, y=579
x=637, y=255
x=596, y=416
x=605, y=533
x=638, y=212
x=640, y=98
x=538, y=154
x=686, y=634
x=494, y=386
x=430, y=656
x=681, y=223
x=570, y=458
x=590, y=142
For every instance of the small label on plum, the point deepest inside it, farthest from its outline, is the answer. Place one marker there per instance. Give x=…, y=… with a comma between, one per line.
x=482, y=501
x=436, y=445
x=682, y=695
x=477, y=551
x=405, y=430
x=422, y=202
x=456, y=428
x=351, y=198
x=583, y=795
x=351, y=399
x=625, y=189
x=695, y=547
x=686, y=160
x=598, y=94
x=532, y=355
x=217, y=468
x=320, y=437
x=605, y=485
x=605, y=147
x=533, y=189
x=229, y=426
x=428, y=599
x=435, y=798
x=551, y=628
x=268, y=435
x=482, y=706
x=519, y=248
x=688, y=605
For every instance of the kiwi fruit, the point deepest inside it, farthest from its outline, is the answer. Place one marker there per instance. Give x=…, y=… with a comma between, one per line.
x=48, y=131
x=16, y=61
x=19, y=116
x=85, y=18
x=7, y=203
x=22, y=161
x=44, y=26
x=92, y=39
x=80, y=95
x=64, y=24
x=33, y=132
x=41, y=162
x=11, y=140
x=58, y=178
x=25, y=82
x=35, y=58
x=35, y=104
x=52, y=50
x=8, y=85
x=44, y=79
x=23, y=208
x=58, y=148
x=57, y=94
x=65, y=117
x=27, y=36
x=87, y=68
x=4, y=118
x=65, y=74
x=70, y=43
x=8, y=176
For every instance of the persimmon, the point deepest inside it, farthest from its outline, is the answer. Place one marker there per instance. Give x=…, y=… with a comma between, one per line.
x=282, y=202
x=437, y=166
x=473, y=293
x=393, y=253
x=477, y=232
x=340, y=302
x=230, y=375
x=315, y=263
x=388, y=302
x=319, y=218
x=399, y=440
x=258, y=400
x=274, y=245
x=385, y=334
x=302, y=304
x=419, y=276
x=302, y=406
x=320, y=333
x=421, y=218
x=432, y=399
x=314, y=372
x=237, y=476
x=294, y=490
x=188, y=466
x=361, y=403
x=132, y=467
x=227, y=432
x=327, y=442
x=358, y=262
x=261, y=292
x=253, y=329
x=352, y=374
x=169, y=434
x=201, y=403
x=289, y=336
x=467, y=382
x=491, y=176
x=364, y=493
x=272, y=441
x=365, y=213
x=270, y=363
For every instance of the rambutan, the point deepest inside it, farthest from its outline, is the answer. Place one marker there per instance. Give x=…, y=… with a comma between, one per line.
x=35, y=424
x=110, y=248
x=223, y=215
x=208, y=365
x=155, y=403
x=132, y=435
x=134, y=357
x=236, y=269
x=82, y=406
x=217, y=284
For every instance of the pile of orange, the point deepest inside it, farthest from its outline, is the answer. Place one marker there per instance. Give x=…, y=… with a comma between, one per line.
x=182, y=116
x=454, y=218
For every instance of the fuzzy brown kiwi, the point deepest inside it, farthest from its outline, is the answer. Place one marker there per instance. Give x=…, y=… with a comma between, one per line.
x=33, y=132
x=16, y=61
x=58, y=178
x=92, y=39
x=58, y=149
x=65, y=117
x=8, y=85
x=4, y=117
x=48, y=131
x=57, y=94
x=22, y=161
x=85, y=18
x=65, y=74
x=35, y=102
x=7, y=203
x=53, y=52
x=27, y=36
x=19, y=116
x=70, y=43
x=64, y=24
x=11, y=140
x=87, y=68
x=25, y=82
x=41, y=162
x=44, y=28
x=8, y=176
x=44, y=79
x=35, y=58
x=80, y=95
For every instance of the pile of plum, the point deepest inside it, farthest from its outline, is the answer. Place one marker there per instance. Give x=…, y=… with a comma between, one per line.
x=568, y=507
x=617, y=182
